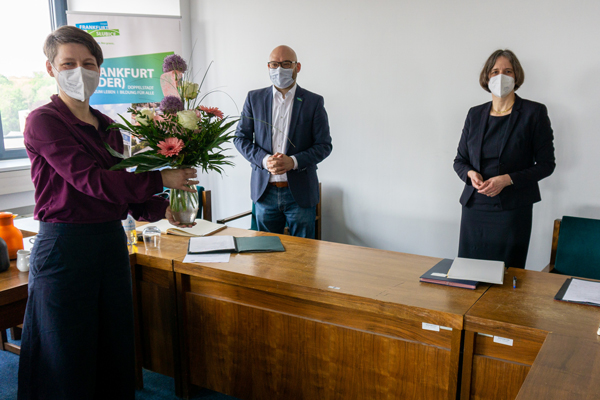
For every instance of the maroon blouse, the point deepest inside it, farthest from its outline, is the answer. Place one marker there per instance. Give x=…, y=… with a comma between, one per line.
x=69, y=169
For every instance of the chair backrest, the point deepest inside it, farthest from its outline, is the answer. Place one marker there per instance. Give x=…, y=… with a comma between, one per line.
x=206, y=207
x=578, y=247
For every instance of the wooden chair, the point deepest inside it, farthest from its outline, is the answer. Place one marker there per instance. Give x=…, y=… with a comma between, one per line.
x=575, y=247
x=15, y=334
x=254, y=227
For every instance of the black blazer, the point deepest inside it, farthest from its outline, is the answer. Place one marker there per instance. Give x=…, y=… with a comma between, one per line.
x=526, y=153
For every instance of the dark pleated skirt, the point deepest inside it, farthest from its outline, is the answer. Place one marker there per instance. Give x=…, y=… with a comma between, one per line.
x=78, y=336
x=496, y=235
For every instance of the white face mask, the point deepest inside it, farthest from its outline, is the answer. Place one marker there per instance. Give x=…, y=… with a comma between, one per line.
x=78, y=83
x=282, y=77
x=501, y=85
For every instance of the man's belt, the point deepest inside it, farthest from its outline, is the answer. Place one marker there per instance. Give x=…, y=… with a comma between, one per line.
x=279, y=184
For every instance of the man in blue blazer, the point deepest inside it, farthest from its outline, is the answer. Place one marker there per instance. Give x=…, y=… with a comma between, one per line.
x=284, y=133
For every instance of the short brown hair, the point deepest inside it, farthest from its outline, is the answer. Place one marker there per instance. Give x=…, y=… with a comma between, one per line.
x=70, y=34
x=484, y=77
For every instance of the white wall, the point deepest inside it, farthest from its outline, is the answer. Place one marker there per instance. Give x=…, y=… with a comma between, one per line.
x=398, y=78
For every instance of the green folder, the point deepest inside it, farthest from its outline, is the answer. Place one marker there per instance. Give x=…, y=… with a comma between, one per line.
x=259, y=244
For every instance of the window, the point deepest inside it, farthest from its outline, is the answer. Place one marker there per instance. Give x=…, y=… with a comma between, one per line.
x=24, y=83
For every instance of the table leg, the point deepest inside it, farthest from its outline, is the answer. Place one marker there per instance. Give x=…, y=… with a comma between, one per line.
x=467, y=367
x=454, y=364
x=182, y=380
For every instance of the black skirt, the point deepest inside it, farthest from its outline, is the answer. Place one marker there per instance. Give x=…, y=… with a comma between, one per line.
x=496, y=235
x=78, y=337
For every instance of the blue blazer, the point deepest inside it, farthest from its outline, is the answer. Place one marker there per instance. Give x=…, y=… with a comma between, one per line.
x=526, y=153
x=309, y=141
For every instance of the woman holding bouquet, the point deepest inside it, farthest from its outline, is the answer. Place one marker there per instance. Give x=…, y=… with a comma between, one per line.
x=78, y=340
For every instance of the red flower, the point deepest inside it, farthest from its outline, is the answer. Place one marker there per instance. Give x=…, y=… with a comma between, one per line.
x=170, y=147
x=212, y=110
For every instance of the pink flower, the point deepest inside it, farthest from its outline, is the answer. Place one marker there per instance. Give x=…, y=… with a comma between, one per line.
x=212, y=110
x=158, y=118
x=170, y=147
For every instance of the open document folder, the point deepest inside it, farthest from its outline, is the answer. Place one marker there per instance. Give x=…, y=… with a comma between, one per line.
x=581, y=291
x=477, y=270
x=438, y=274
x=230, y=244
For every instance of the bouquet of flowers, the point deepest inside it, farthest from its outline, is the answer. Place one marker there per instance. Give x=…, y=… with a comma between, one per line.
x=180, y=134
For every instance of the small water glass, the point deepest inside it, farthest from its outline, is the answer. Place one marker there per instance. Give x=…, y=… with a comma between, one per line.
x=151, y=236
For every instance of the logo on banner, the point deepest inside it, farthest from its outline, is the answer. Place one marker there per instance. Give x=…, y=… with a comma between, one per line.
x=98, y=29
x=132, y=79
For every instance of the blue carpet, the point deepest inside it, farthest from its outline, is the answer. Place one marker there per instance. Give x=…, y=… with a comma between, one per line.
x=156, y=386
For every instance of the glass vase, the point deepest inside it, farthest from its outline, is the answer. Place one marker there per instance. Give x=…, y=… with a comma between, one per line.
x=184, y=205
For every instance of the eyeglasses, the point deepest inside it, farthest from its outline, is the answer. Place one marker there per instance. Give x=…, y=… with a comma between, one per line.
x=287, y=64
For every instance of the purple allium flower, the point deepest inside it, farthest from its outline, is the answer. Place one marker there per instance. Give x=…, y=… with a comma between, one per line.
x=174, y=63
x=171, y=104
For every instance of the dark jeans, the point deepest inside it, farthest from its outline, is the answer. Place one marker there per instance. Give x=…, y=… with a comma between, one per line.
x=78, y=338
x=277, y=206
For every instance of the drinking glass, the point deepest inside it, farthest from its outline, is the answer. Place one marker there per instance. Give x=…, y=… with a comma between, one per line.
x=151, y=236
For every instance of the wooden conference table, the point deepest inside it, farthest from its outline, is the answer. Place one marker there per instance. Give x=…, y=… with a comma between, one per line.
x=522, y=341
x=321, y=320
x=331, y=321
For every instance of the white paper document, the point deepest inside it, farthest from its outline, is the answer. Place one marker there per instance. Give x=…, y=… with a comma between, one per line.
x=583, y=291
x=207, y=258
x=202, y=228
x=477, y=270
x=211, y=244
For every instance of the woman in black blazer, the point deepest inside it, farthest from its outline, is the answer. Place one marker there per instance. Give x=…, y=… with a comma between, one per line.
x=506, y=147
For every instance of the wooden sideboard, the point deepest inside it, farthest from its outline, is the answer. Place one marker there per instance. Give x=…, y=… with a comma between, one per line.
x=13, y=299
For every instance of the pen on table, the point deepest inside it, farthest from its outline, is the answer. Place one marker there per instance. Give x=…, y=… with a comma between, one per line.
x=514, y=282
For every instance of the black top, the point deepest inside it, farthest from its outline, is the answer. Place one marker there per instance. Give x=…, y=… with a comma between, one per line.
x=490, y=162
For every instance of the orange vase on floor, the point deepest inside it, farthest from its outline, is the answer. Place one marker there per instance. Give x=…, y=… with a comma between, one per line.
x=11, y=235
